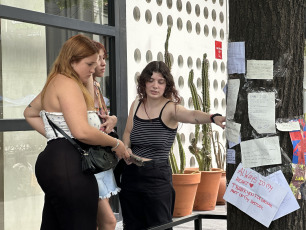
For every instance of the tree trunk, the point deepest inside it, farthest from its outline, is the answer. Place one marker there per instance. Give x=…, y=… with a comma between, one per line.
x=272, y=30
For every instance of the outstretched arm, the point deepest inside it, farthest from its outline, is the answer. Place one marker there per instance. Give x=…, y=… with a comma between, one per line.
x=196, y=117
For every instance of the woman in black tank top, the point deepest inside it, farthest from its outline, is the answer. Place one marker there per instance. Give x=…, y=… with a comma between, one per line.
x=147, y=195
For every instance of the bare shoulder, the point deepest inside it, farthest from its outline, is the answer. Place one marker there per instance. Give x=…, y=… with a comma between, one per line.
x=169, y=114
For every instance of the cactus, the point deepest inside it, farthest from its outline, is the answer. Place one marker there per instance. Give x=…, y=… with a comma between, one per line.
x=203, y=155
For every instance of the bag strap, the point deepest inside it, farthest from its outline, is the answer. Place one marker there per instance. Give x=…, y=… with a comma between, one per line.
x=54, y=126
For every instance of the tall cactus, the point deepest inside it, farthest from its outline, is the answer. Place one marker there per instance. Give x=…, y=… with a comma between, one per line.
x=203, y=155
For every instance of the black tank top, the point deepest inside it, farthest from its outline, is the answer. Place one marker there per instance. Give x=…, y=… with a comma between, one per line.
x=151, y=138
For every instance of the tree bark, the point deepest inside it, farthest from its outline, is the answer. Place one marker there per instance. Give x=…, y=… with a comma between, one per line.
x=271, y=30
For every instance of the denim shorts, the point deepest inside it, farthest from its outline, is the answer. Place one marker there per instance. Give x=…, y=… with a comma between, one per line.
x=107, y=184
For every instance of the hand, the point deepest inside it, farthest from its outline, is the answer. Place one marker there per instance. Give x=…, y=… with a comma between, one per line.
x=121, y=151
x=109, y=124
x=219, y=120
x=127, y=161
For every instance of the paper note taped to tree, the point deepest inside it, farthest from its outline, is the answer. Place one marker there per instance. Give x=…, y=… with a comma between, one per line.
x=255, y=195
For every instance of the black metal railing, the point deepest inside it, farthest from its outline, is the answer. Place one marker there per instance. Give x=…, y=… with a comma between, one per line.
x=197, y=218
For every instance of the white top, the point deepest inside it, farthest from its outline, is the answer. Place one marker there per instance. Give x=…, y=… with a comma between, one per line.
x=58, y=119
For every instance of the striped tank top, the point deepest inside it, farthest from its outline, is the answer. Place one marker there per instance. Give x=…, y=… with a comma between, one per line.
x=151, y=138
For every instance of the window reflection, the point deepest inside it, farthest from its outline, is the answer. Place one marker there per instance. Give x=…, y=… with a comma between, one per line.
x=28, y=52
x=95, y=11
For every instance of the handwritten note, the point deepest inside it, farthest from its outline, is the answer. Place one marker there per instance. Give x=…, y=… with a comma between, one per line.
x=261, y=151
x=261, y=109
x=257, y=196
x=259, y=69
x=232, y=131
x=232, y=95
x=288, y=126
x=230, y=156
x=289, y=203
x=236, y=57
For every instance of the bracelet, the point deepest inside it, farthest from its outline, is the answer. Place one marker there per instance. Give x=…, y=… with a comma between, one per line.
x=116, y=145
x=214, y=115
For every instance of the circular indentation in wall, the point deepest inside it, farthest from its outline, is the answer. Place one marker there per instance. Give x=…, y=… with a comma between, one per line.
x=159, y=19
x=137, y=55
x=198, y=28
x=179, y=24
x=148, y=16
x=222, y=34
x=192, y=162
x=206, y=30
x=136, y=13
x=215, y=66
x=181, y=82
x=160, y=56
x=149, y=56
x=213, y=15
x=191, y=136
x=179, y=5
x=199, y=63
x=182, y=135
x=169, y=4
x=200, y=139
x=199, y=83
x=221, y=17
x=182, y=101
x=171, y=58
x=137, y=74
x=189, y=62
x=197, y=10
x=206, y=12
x=169, y=21
x=213, y=1
x=222, y=84
x=180, y=61
x=222, y=67
x=189, y=26
x=216, y=103
x=215, y=85
x=221, y=2
x=188, y=7
x=148, y=1
x=159, y=2
x=190, y=103
x=223, y=103
x=214, y=32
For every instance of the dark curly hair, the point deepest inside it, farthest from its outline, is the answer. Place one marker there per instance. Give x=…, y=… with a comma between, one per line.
x=157, y=67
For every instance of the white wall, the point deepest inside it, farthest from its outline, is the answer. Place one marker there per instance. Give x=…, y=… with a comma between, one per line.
x=149, y=37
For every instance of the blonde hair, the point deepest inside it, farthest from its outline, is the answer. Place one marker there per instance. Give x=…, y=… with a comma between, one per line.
x=74, y=49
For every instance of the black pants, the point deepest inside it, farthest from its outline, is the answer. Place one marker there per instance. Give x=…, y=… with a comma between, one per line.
x=71, y=197
x=147, y=195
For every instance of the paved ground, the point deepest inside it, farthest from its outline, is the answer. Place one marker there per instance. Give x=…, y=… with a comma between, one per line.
x=207, y=224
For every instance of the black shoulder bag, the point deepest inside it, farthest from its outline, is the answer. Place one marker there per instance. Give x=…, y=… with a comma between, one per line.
x=94, y=160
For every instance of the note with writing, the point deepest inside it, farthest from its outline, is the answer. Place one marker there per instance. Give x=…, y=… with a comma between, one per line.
x=236, y=57
x=231, y=156
x=259, y=69
x=257, y=196
x=261, y=151
x=289, y=203
x=232, y=95
x=288, y=126
x=232, y=131
x=261, y=110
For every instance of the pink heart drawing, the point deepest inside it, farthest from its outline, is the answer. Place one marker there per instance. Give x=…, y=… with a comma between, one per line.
x=251, y=185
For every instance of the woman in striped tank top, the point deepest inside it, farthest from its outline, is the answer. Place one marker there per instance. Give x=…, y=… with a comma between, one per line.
x=147, y=195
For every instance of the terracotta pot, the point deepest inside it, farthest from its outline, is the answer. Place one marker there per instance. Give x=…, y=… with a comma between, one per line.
x=207, y=191
x=222, y=187
x=185, y=186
